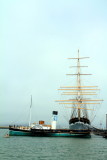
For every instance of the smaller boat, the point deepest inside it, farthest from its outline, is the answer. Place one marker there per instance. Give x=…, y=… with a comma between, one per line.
x=7, y=136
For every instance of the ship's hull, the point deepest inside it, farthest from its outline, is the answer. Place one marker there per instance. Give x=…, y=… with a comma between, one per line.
x=79, y=126
x=63, y=135
x=60, y=133
x=49, y=132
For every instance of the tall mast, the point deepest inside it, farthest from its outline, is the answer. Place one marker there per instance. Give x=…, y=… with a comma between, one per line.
x=30, y=112
x=79, y=85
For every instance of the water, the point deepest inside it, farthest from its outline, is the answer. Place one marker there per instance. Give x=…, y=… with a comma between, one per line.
x=53, y=148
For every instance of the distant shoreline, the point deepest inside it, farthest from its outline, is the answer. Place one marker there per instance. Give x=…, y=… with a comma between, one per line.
x=4, y=127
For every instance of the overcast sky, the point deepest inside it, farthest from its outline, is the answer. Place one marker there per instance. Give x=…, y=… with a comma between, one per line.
x=36, y=37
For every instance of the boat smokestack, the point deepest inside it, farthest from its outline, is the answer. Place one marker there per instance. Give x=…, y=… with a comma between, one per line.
x=54, y=119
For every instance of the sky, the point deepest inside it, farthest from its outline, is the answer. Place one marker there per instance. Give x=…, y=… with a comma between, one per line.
x=36, y=37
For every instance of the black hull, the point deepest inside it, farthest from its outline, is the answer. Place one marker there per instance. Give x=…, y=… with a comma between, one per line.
x=61, y=133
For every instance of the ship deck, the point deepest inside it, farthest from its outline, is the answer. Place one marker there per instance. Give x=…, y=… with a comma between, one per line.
x=60, y=131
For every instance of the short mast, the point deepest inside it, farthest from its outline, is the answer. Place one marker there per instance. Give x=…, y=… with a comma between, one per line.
x=30, y=112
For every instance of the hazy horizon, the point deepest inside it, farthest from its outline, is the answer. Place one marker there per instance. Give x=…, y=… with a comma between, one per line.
x=36, y=38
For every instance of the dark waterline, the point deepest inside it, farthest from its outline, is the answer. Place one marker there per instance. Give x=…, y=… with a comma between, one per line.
x=52, y=148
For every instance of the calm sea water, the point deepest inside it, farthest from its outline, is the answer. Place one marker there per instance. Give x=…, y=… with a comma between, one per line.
x=54, y=148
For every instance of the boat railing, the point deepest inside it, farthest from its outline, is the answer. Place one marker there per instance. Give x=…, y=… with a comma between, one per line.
x=19, y=127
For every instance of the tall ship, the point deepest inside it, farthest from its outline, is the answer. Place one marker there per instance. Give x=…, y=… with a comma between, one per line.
x=78, y=101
